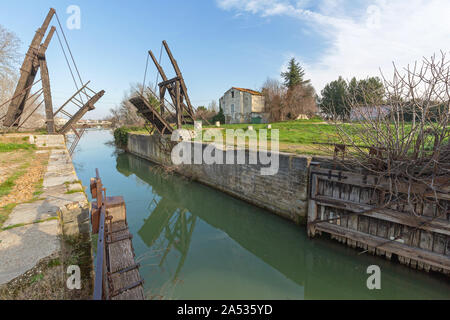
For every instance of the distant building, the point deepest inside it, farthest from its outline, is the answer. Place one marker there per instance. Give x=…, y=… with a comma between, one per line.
x=243, y=106
x=369, y=112
x=60, y=121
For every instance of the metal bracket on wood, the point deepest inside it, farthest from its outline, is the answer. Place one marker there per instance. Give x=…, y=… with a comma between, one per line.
x=126, y=237
x=131, y=286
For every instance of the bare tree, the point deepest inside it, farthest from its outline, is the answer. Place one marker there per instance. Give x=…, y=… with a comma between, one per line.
x=300, y=100
x=212, y=107
x=410, y=158
x=9, y=59
x=284, y=104
x=125, y=114
x=274, y=93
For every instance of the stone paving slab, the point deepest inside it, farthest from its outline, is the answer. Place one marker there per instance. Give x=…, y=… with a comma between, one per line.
x=31, y=212
x=53, y=180
x=50, y=140
x=43, y=209
x=21, y=248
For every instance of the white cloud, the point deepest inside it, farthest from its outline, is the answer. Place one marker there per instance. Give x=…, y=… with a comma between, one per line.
x=362, y=39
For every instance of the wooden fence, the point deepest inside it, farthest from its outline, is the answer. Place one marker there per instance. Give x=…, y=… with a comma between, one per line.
x=347, y=206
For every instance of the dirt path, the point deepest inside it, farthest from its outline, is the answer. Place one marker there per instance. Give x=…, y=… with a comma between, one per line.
x=31, y=168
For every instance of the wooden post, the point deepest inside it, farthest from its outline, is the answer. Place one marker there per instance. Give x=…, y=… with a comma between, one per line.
x=27, y=74
x=164, y=78
x=162, y=92
x=178, y=73
x=177, y=98
x=46, y=82
x=312, y=206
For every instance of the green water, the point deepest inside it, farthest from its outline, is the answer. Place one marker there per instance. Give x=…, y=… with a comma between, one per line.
x=194, y=242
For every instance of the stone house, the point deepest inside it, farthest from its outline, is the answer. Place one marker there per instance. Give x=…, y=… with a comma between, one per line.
x=241, y=105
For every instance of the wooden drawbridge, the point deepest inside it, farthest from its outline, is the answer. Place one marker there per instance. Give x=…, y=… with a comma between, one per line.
x=151, y=115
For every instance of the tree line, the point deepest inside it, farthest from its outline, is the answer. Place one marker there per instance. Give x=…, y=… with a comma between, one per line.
x=340, y=96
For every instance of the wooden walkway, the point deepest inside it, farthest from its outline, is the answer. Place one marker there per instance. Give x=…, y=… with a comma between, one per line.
x=151, y=115
x=117, y=275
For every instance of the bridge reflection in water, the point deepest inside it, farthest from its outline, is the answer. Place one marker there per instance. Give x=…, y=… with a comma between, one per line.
x=236, y=250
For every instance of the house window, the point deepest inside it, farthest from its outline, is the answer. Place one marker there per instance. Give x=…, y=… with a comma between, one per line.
x=232, y=94
x=232, y=108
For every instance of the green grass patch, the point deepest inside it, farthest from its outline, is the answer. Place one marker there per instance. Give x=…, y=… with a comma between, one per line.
x=54, y=263
x=36, y=278
x=14, y=226
x=8, y=184
x=39, y=188
x=72, y=182
x=8, y=147
x=302, y=132
x=74, y=191
x=26, y=224
x=5, y=211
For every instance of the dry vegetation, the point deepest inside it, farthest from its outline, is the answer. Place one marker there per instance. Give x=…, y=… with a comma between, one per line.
x=411, y=159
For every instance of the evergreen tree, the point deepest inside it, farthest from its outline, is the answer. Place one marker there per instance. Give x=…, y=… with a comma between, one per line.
x=368, y=91
x=334, y=99
x=219, y=117
x=294, y=75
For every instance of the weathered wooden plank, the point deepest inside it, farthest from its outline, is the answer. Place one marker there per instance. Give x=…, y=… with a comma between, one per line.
x=124, y=280
x=370, y=181
x=431, y=224
x=423, y=256
x=312, y=207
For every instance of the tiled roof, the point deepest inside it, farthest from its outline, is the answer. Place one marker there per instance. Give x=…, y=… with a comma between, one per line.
x=249, y=91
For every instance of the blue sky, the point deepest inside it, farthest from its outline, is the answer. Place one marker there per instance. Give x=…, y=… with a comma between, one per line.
x=224, y=43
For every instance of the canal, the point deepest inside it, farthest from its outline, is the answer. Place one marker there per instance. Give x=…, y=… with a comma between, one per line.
x=194, y=242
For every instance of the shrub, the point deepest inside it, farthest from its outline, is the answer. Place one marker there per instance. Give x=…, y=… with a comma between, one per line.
x=219, y=117
x=121, y=136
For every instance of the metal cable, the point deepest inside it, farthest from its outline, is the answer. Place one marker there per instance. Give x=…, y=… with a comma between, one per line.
x=145, y=75
x=67, y=61
x=68, y=47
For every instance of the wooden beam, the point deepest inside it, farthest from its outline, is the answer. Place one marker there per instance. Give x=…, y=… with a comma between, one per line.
x=27, y=74
x=80, y=113
x=182, y=83
x=402, y=250
x=164, y=78
x=167, y=82
x=426, y=223
x=179, y=110
x=46, y=82
x=68, y=100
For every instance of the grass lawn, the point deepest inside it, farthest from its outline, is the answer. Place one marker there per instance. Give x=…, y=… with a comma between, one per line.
x=298, y=136
x=7, y=147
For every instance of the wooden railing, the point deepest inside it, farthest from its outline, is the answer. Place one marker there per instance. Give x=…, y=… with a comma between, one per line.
x=100, y=268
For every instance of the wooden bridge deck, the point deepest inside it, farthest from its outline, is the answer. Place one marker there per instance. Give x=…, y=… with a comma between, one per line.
x=151, y=115
x=122, y=280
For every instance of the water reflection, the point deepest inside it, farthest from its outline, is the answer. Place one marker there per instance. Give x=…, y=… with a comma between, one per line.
x=224, y=248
